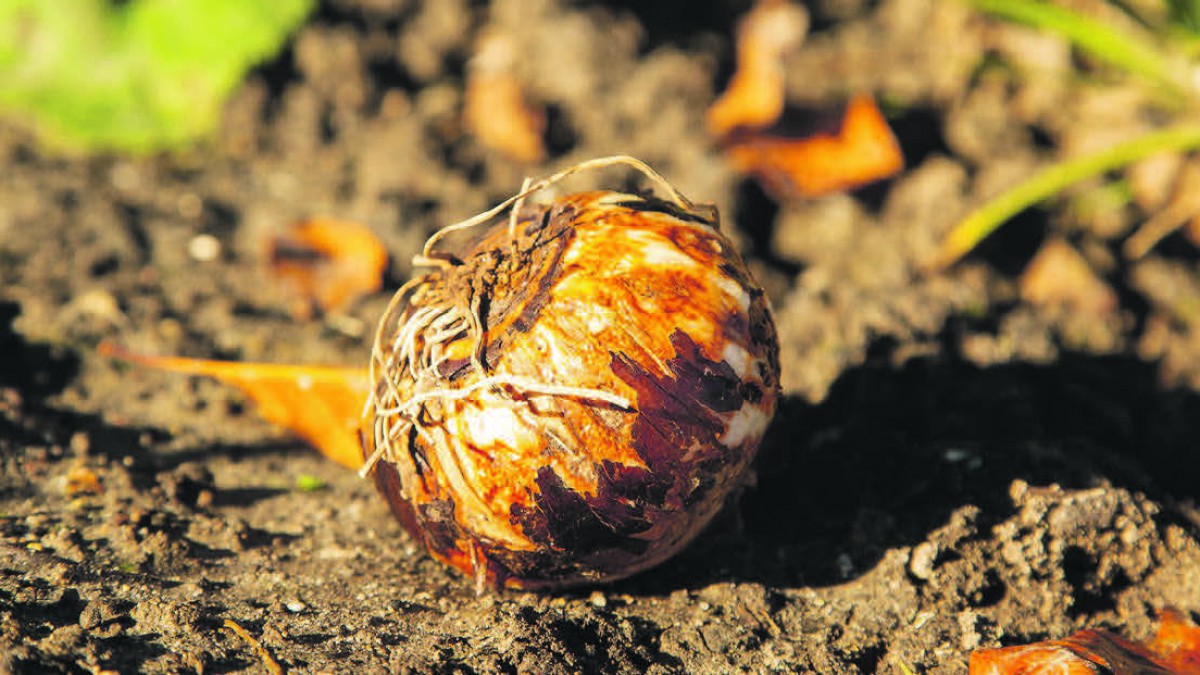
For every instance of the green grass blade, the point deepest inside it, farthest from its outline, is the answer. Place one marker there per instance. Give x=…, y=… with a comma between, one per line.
x=1132, y=53
x=1186, y=13
x=1054, y=179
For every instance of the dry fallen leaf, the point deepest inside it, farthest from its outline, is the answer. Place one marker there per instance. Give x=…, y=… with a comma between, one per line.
x=1177, y=643
x=495, y=108
x=83, y=481
x=1059, y=276
x=321, y=404
x=329, y=264
x=1175, y=650
x=1087, y=652
x=862, y=151
x=754, y=97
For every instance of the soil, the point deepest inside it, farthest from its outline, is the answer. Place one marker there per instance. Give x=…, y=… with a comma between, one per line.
x=952, y=467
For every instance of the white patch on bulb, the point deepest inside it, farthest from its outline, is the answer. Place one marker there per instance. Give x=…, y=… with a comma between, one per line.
x=655, y=251
x=747, y=423
x=734, y=290
x=557, y=359
x=737, y=358
x=595, y=319
x=493, y=425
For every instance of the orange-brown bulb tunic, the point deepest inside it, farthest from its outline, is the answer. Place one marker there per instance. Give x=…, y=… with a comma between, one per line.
x=571, y=400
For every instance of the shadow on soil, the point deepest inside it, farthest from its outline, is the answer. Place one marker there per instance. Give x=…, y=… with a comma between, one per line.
x=37, y=372
x=886, y=458
x=34, y=370
x=893, y=451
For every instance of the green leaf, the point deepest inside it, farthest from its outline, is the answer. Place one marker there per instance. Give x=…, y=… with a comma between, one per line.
x=140, y=77
x=1137, y=54
x=1186, y=13
x=1054, y=179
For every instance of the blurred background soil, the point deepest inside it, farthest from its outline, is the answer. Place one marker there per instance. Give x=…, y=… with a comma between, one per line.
x=954, y=465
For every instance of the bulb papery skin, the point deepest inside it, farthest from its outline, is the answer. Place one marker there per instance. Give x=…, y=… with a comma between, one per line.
x=571, y=399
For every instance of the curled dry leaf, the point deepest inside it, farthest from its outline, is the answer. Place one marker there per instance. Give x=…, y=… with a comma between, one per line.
x=328, y=263
x=1177, y=643
x=862, y=151
x=495, y=108
x=1088, y=652
x=1175, y=650
x=1058, y=276
x=321, y=404
x=754, y=97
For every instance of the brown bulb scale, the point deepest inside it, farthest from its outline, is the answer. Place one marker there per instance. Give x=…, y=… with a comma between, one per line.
x=570, y=399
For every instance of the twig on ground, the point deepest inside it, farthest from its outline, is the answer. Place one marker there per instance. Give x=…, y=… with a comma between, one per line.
x=268, y=661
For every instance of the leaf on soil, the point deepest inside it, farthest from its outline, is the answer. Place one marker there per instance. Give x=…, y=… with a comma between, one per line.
x=864, y=150
x=1087, y=652
x=83, y=481
x=321, y=404
x=495, y=109
x=328, y=263
x=754, y=97
x=1058, y=276
x=1177, y=642
x=135, y=76
x=1175, y=650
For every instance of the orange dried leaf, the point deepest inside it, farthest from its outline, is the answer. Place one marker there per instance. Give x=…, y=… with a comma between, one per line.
x=495, y=109
x=755, y=95
x=83, y=481
x=1177, y=643
x=321, y=404
x=864, y=150
x=1175, y=650
x=1035, y=659
x=1059, y=276
x=329, y=263
x=1088, y=652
